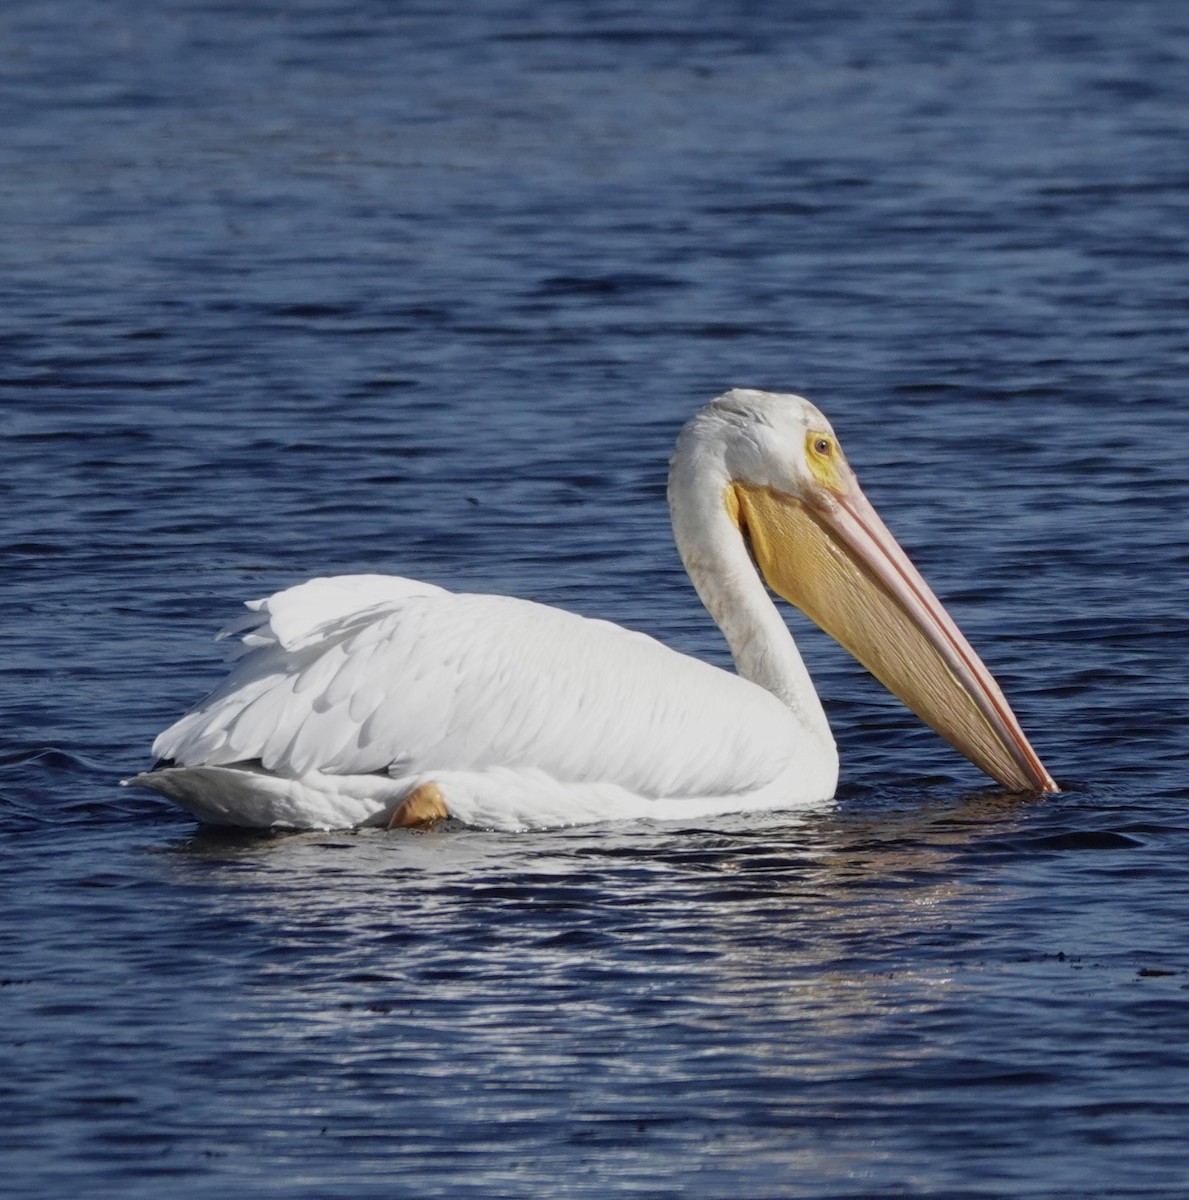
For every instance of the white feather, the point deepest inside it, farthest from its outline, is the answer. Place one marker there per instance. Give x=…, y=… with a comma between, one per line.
x=435, y=682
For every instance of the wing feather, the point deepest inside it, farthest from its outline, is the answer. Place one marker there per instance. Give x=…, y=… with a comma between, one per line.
x=362, y=674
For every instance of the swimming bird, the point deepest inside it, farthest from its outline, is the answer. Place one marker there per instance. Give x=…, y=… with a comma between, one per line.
x=376, y=700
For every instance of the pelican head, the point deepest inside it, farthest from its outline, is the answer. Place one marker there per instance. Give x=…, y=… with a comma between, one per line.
x=785, y=488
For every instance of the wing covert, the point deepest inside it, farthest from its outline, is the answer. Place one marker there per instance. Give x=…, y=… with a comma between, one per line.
x=363, y=674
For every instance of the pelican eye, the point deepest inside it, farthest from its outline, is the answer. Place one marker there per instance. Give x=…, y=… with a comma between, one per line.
x=823, y=446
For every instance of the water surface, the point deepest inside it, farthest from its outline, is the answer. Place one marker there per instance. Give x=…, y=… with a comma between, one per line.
x=334, y=287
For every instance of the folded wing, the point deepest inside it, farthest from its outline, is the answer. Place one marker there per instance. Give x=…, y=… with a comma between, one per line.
x=376, y=674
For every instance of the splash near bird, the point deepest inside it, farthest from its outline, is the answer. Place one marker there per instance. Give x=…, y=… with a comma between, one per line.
x=375, y=700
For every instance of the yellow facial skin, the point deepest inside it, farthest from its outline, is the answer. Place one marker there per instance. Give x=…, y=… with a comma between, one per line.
x=824, y=460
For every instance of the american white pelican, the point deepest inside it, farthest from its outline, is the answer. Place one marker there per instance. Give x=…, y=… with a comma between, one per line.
x=374, y=700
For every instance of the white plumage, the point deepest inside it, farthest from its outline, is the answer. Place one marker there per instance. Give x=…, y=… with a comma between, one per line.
x=350, y=693
x=364, y=686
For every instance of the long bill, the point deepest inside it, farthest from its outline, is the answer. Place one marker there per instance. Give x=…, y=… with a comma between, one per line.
x=832, y=557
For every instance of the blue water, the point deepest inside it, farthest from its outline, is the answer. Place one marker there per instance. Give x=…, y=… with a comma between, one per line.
x=308, y=288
